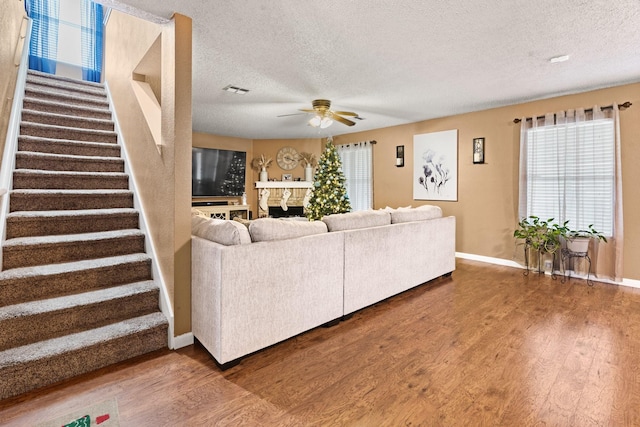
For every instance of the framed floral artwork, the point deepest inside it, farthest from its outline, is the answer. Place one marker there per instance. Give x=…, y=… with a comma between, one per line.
x=435, y=166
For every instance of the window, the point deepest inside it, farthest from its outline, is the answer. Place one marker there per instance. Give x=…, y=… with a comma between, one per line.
x=570, y=174
x=69, y=33
x=357, y=168
x=66, y=38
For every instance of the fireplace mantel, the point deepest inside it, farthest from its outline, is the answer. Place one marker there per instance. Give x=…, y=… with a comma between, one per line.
x=284, y=184
x=283, y=194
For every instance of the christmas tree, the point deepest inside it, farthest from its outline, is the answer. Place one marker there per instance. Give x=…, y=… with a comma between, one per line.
x=329, y=193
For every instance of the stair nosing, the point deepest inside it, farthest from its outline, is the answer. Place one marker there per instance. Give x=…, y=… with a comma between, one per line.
x=96, y=296
x=94, y=144
x=70, y=156
x=41, y=172
x=71, y=213
x=73, y=342
x=72, y=266
x=44, y=75
x=86, y=108
x=67, y=98
x=55, y=89
x=62, y=239
x=67, y=85
x=67, y=116
x=68, y=128
x=30, y=191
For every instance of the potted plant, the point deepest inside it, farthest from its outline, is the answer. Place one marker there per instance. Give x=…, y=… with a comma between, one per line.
x=308, y=161
x=578, y=240
x=261, y=164
x=540, y=237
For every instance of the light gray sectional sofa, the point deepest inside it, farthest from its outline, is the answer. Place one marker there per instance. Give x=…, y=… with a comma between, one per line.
x=255, y=286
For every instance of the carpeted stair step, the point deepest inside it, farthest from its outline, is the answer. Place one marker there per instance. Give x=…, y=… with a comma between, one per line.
x=57, y=119
x=36, y=104
x=20, y=285
x=28, y=178
x=40, y=92
x=40, y=250
x=39, y=77
x=47, y=223
x=53, y=200
x=58, y=162
x=29, y=322
x=66, y=88
x=61, y=132
x=67, y=147
x=36, y=365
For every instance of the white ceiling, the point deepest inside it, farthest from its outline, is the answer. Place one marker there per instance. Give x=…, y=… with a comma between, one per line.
x=393, y=62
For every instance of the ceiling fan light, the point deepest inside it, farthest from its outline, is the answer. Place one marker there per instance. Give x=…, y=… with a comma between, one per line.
x=315, y=121
x=325, y=122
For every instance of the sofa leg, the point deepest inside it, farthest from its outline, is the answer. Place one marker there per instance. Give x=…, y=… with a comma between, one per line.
x=332, y=323
x=447, y=274
x=228, y=365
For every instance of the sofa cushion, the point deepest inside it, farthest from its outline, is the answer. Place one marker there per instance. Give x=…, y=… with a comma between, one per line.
x=354, y=220
x=267, y=229
x=226, y=233
x=420, y=213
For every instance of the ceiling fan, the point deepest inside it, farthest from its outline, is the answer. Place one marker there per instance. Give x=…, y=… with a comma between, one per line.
x=324, y=116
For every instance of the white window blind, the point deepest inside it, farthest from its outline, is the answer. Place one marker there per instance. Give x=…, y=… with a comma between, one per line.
x=571, y=174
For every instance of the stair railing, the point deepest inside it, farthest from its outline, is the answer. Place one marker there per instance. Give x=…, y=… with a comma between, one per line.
x=13, y=130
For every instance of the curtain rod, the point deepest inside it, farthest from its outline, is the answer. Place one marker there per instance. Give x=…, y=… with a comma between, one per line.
x=372, y=142
x=625, y=105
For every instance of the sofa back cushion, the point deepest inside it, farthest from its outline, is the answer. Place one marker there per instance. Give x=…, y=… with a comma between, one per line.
x=226, y=233
x=267, y=229
x=420, y=213
x=354, y=220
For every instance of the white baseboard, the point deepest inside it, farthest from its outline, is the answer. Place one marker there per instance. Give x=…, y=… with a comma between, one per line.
x=489, y=260
x=631, y=283
x=509, y=263
x=181, y=341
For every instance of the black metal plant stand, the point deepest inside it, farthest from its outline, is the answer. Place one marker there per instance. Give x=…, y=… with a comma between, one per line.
x=540, y=269
x=568, y=255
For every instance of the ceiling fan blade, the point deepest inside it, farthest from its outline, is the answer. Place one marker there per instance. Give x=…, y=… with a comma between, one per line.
x=307, y=111
x=342, y=120
x=346, y=113
x=294, y=114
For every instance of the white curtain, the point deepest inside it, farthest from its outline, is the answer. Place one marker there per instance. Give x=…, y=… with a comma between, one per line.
x=357, y=165
x=570, y=169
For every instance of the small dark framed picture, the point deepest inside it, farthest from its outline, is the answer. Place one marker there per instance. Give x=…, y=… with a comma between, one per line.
x=287, y=177
x=478, y=150
x=400, y=156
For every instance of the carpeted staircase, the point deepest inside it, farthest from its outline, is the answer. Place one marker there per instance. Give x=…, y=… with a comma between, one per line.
x=76, y=292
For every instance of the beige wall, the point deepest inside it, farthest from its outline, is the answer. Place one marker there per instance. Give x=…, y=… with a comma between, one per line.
x=11, y=16
x=487, y=206
x=163, y=174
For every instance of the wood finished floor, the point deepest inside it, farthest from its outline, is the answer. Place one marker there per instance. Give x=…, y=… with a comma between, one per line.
x=485, y=347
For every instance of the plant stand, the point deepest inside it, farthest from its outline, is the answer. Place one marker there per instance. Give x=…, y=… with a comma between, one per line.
x=567, y=255
x=540, y=256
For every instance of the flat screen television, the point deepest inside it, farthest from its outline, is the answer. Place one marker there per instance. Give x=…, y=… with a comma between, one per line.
x=217, y=172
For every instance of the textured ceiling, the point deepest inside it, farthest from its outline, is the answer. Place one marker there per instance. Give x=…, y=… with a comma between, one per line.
x=393, y=62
